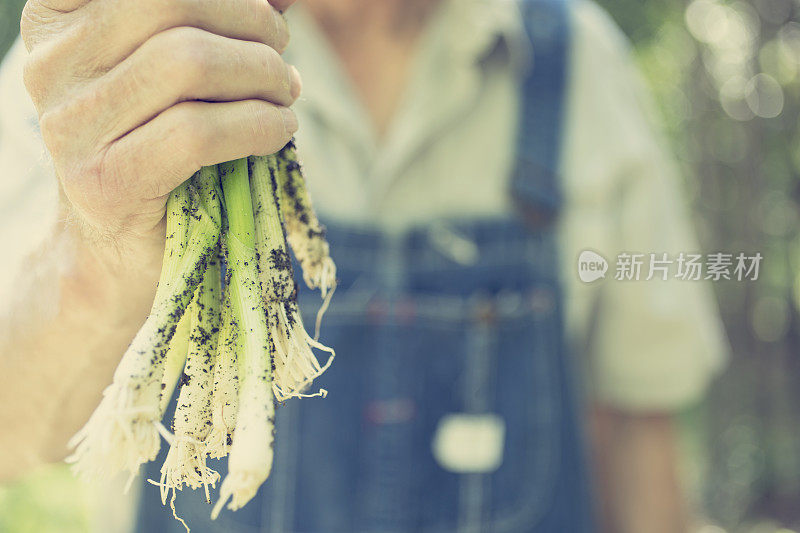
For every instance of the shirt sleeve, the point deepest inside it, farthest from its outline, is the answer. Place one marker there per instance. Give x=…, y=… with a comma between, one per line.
x=28, y=188
x=650, y=345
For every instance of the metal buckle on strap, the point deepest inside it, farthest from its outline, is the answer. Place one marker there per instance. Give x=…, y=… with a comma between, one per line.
x=453, y=245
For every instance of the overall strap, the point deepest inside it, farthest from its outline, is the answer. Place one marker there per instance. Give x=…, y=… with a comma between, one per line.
x=535, y=184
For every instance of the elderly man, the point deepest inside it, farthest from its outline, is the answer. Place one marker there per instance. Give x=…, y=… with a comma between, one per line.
x=462, y=153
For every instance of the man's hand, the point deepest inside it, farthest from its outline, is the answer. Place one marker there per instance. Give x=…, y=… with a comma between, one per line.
x=133, y=96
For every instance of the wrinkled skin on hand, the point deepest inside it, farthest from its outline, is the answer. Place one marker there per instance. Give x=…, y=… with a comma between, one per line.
x=135, y=96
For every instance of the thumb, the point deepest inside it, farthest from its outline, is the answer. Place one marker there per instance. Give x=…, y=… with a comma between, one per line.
x=38, y=15
x=60, y=6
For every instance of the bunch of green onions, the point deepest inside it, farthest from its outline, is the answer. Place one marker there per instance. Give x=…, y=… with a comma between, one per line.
x=234, y=346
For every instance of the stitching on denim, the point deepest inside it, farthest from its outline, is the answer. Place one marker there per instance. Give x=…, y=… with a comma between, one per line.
x=349, y=308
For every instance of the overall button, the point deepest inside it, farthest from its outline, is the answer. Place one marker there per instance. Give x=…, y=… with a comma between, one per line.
x=542, y=300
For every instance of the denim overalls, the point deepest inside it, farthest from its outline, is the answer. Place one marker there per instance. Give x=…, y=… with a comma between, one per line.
x=445, y=335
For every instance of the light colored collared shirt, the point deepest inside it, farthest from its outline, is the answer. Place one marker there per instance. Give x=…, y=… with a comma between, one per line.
x=648, y=345
x=449, y=153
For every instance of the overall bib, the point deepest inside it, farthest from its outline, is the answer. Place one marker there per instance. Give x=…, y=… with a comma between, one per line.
x=448, y=336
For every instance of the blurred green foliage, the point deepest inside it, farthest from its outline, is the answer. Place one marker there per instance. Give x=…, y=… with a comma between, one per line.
x=726, y=75
x=9, y=22
x=49, y=501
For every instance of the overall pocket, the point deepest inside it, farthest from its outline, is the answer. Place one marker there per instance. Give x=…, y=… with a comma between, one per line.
x=493, y=377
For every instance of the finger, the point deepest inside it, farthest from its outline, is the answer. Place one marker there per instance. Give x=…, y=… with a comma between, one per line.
x=60, y=6
x=40, y=20
x=134, y=22
x=170, y=148
x=185, y=64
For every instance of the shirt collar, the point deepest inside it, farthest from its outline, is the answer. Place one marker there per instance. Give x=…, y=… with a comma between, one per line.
x=479, y=26
x=472, y=29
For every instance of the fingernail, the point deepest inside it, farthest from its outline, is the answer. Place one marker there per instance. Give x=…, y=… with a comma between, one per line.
x=289, y=120
x=295, y=82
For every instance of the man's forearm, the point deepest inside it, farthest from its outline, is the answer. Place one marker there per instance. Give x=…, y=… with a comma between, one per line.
x=73, y=313
x=635, y=460
x=200, y=85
